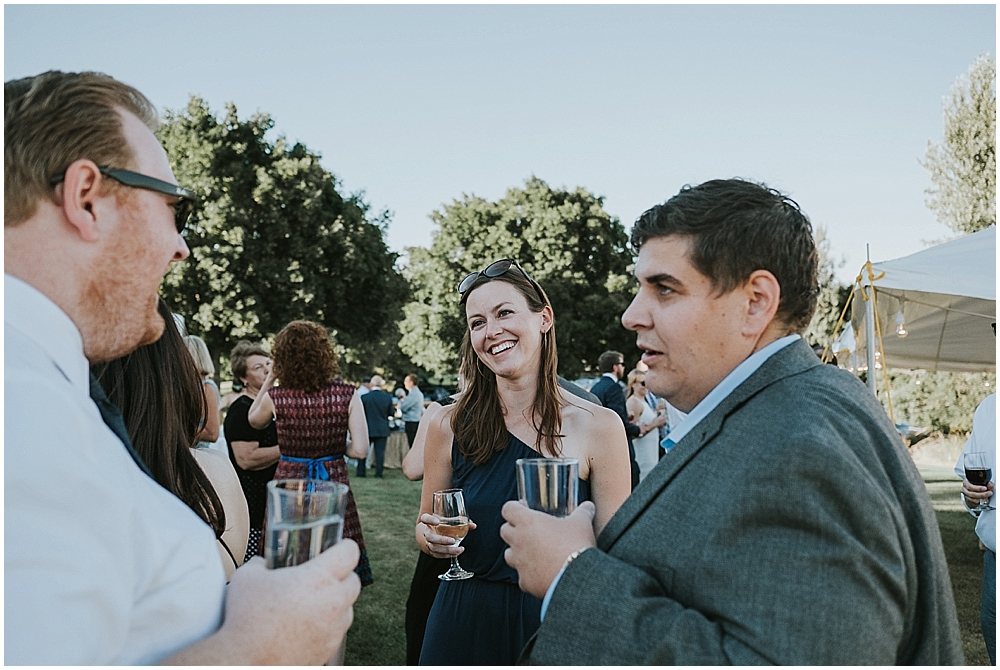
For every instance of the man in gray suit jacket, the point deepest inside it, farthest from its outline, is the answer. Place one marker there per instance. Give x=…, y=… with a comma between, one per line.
x=787, y=524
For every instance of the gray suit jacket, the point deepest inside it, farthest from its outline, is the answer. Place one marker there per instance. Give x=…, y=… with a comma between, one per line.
x=789, y=527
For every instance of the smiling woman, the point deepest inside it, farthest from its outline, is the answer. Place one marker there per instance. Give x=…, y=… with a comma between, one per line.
x=511, y=408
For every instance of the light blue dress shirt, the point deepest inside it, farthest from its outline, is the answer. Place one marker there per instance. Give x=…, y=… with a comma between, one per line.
x=739, y=375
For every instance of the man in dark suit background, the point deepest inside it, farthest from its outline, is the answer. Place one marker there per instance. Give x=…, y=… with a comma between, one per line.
x=378, y=408
x=788, y=524
x=611, y=365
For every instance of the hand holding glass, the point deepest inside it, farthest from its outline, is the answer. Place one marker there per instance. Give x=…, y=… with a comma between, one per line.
x=549, y=484
x=979, y=473
x=449, y=507
x=304, y=518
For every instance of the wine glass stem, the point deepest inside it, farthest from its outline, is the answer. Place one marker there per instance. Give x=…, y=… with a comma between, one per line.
x=454, y=564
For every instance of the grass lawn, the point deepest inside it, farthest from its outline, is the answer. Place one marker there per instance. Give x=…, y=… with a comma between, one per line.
x=388, y=509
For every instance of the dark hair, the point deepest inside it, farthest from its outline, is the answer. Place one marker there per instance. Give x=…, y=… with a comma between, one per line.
x=412, y=378
x=158, y=389
x=478, y=421
x=608, y=360
x=304, y=358
x=55, y=118
x=738, y=227
x=239, y=355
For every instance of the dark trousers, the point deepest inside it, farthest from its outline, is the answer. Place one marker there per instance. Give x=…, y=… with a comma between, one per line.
x=423, y=588
x=411, y=431
x=633, y=466
x=378, y=445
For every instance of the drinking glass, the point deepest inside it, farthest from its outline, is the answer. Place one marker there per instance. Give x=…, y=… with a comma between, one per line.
x=304, y=518
x=549, y=484
x=978, y=472
x=449, y=506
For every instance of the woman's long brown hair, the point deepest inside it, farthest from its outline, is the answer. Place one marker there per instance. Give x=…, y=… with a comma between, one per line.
x=158, y=389
x=478, y=421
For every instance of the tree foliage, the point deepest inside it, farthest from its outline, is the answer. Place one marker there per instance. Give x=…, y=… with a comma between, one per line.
x=274, y=241
x=944, y=401
x=964, y=166
x=832, y=295
x=566, y=242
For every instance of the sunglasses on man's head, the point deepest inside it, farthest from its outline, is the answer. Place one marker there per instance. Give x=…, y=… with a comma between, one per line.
x=494, y=270
x=186, y=200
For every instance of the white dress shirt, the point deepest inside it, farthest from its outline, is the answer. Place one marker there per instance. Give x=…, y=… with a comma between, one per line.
x=739, y=375
x=102, y=565
x=984, y=439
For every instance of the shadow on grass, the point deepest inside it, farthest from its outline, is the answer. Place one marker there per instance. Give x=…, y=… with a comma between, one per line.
x=965, y=565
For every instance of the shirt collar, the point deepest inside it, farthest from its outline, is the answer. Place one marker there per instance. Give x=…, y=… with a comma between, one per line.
x=32, y=313
x=612, y=376
x=739, y=375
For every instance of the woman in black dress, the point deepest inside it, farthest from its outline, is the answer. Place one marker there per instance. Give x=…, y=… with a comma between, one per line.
x=254, y=453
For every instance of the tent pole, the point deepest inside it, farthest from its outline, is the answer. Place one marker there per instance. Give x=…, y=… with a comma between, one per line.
x=870, y=327
x=870, y=339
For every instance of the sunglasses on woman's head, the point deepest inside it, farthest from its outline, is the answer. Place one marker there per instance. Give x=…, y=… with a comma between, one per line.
x=494, y=270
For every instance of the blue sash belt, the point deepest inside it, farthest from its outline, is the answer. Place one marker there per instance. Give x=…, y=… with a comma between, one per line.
x=316, y=469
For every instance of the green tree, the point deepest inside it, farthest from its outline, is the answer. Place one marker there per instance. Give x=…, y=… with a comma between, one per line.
x=566, y=242
x=274, y=241
x=964, y=166
x=832, y=295
x=944, y=401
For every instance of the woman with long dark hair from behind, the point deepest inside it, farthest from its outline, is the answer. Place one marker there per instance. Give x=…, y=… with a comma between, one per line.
x=158, y=389
x=511, y=408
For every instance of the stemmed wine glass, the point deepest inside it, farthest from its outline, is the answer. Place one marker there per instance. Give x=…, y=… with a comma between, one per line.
x=449, y=506
x=978, y=472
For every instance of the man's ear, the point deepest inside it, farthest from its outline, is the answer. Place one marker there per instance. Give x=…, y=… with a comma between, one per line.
x=77, y=196
x=763, y=293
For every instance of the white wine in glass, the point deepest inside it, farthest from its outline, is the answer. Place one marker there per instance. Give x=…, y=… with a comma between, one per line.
x=449, y=506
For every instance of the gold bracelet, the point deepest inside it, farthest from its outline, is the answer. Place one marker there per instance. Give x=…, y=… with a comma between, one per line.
x=572, y=557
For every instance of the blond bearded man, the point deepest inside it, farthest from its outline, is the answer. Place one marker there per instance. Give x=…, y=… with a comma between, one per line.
x=101, y=564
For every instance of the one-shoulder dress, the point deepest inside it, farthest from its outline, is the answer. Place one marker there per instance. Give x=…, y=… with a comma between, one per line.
x=312, y=438
x=485, y=620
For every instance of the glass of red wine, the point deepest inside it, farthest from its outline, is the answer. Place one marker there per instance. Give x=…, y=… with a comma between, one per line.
x=978, y=472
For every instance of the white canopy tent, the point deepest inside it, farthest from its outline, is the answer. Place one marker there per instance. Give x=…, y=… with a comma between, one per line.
x=935, y=307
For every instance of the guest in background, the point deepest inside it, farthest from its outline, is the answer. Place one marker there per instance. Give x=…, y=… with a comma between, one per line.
x=366, y=386
x=313, y=410
x=412, y=407
x=254, y=453
x=159, y=392
x=209, y=432
x=612, y=367
x=647, y=444
x=377, y=410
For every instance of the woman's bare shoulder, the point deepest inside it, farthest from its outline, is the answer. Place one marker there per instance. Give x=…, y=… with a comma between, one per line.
x=441, y=419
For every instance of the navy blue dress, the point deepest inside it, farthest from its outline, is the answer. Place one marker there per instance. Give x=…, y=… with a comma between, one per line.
x=485, y=620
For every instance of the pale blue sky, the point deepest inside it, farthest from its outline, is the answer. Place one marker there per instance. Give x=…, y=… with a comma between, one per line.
x=419, y=104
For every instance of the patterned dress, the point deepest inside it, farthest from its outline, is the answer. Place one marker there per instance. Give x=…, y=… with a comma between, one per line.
x=311, y=426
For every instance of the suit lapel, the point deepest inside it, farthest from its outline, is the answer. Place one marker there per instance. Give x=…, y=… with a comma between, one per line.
x=793, y=359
